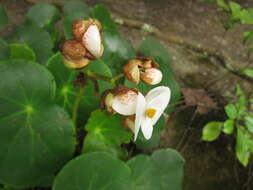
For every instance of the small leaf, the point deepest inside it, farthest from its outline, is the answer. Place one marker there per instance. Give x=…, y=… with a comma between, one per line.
x=94, y=171
x=242, y=146
x=228, y=126
x=101, y=13
x=235, y=8
x=249, y=122
x=3, y=17
x=22, y=51
x=211, y=131
x=247, y=72
x=247, y=36
x=43, y=14
x=32, y=127
x=4, y=50
x=231, y=111
x=222, y=4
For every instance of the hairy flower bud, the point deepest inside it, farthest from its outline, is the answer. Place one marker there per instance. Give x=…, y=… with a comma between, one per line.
x=73, y=49
x=151, y=76
x=120, y=100
x=142, y=68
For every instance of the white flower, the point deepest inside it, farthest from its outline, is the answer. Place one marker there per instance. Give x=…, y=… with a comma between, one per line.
x=149, y=109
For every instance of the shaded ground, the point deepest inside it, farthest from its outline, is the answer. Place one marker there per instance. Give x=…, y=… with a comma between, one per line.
x=209, y=166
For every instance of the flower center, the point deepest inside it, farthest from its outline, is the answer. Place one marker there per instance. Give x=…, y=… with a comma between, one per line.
x=150, y=113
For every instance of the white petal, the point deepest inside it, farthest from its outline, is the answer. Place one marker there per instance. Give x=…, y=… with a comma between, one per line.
x=158, y=99
x=124, y=109
x=140, y=113
x=147, y=127
x=92, y=41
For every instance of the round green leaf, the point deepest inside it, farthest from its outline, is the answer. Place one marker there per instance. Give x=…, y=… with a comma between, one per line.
x=22, y=51
x=66, y=92
x=37, y=137
x=3, y=18
x=71, y=7
x=94, y=171
x=228, y=126
x=211, y=131
x=4, y=50
x=162, y=171
x=231, y=111
x=37, y=39
x=43, y=14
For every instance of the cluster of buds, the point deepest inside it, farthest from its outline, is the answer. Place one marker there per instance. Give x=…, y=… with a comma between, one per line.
x=143, y=68
x=138, y=111
x=86, y=45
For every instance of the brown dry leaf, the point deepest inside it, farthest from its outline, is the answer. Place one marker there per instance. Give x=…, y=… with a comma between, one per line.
x=200, y=99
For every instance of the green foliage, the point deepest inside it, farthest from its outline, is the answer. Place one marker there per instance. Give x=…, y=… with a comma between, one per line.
x=38, y=136
x=84, y=172
x=36, y=38
x=108, y=129
x=239, y=122
x=3, y=17
x=43, y=14
x=211, y=131
x=4, y=50
x=22, y=51
x=32, y=127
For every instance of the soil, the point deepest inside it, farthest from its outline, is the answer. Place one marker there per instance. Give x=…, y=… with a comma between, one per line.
x=209, y=166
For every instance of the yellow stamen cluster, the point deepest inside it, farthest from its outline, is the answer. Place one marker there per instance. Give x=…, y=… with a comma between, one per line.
x=150, y=113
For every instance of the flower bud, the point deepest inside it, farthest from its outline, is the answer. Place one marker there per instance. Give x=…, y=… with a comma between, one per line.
x=121, y=99
x=151, y=76
x=131, y=71
x=142, y=68
x=73, y=49
x=128, y=122
x=107, y=100
x=80, y=26
x=76, y=63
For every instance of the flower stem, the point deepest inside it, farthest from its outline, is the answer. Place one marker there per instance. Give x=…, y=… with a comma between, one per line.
x=77, y=103
x=115, y=78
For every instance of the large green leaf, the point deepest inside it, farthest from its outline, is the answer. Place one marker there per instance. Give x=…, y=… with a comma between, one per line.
x=4, y=50
x=22, y=51
x=37, y=137
x=153, y=48
x=66, y=92
x=94, y=171
x=73, y=10
x=109, y=126
x=3, y=17
x=117, y=52
x=43, y=14
x=101, y=13
x=162, y=171
x=36, y=38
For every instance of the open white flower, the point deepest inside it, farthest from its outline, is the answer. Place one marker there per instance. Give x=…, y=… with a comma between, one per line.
x=149, y=109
